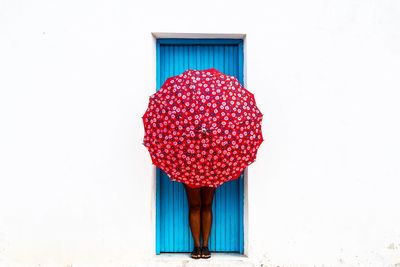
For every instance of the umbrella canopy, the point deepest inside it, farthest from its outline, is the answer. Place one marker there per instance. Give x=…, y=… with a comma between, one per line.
x=202, y=128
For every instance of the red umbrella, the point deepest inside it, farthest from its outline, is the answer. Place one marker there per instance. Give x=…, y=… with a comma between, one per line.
x=202, y=128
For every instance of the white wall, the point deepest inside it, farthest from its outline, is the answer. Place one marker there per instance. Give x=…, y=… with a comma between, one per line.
x=76, y=183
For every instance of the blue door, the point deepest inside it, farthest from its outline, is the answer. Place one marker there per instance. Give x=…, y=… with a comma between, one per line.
x=172, y=224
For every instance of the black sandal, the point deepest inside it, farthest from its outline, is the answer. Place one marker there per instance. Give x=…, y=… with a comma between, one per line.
x=196, y=253
x=205, y=253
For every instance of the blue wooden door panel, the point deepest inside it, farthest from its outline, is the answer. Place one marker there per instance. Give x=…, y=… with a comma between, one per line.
x=172, y=224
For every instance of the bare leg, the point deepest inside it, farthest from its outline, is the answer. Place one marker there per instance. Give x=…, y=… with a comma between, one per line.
x=207, y=195
x=194, y=200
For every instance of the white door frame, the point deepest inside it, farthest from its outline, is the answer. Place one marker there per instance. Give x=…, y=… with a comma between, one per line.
x=158, y=35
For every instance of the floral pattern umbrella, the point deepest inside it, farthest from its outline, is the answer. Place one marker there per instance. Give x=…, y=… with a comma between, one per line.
x=202, y=128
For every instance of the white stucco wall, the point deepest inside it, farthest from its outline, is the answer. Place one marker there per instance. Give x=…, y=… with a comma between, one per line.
x=76, y=184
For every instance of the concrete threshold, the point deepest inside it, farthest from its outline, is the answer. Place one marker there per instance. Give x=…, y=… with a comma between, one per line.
x=217, y=259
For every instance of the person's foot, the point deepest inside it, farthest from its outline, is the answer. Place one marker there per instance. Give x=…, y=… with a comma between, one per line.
x=196, y=253
x=205, y=253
